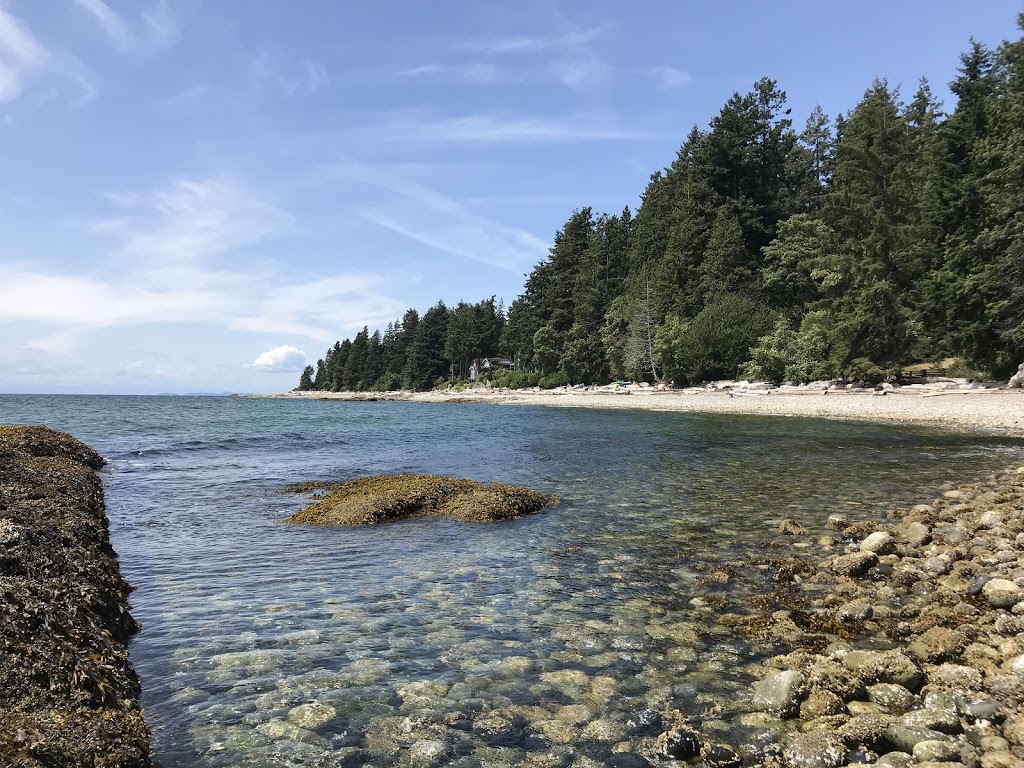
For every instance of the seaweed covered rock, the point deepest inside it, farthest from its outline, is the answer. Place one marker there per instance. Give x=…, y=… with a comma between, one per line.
x=383, y=498
x=68, y=694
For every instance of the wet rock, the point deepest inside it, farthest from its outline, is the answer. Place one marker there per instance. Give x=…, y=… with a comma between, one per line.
x=855, y=610
x=816, y=750
x=895, y=760
x=821, y=703
x=914, y=533
x=779, y=694
x=382, y=498
x=979, y=708
x=858, y=708
x=895, y=698
x=938, y=644
x=905, y=737
x=790, y=527
x=837, y=522
x=885, y=667
x=941, y=720
x=953, y=535
x=311, y=716
x=426, y=753
x=680, y=743
x=605, y=730
x=719, y=756
x=880, y=542
x=626, y=760
x=955, y=677
x=854, y=564
x=1013, y=730
x=936, y=751
x=1002, y=593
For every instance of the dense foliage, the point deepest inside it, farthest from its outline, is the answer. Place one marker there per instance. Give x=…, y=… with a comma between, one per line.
x=892, y=234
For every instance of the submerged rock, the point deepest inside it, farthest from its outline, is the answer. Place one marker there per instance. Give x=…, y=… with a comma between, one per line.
x=383, y=498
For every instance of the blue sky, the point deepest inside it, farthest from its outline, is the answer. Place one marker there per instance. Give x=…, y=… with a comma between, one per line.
x=202, y=196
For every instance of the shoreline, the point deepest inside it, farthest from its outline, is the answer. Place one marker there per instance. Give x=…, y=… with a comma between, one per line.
x=992, y=411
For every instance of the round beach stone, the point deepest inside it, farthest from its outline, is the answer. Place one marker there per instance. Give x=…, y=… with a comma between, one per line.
x=311, y=716
x=978, y=708
x=894, y=698
x=855, y=564
x=818, y=749
x=821, y=703
x=1002, y=593
x=904, y=737
x=936, y=751
x=778, y=694
x=895, y=760
x=426, y=753
x=941, y=720
x=627, y=760
x=880, y=542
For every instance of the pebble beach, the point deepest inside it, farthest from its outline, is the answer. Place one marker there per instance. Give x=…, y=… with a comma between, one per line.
x=956, y=405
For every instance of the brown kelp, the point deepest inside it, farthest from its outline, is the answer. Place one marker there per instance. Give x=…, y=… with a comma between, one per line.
x=68, y=694
x=382, y=498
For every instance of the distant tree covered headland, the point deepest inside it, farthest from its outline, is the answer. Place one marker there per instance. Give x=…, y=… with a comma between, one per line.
x=846, y=249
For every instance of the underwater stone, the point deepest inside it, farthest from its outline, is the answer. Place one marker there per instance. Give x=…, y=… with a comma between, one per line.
x=311, y=716
x=779, y=694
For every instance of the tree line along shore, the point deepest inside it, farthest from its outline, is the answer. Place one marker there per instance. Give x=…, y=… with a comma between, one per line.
x=850, y=247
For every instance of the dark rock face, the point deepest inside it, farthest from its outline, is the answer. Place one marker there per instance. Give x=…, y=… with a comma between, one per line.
x=68, y=694
x=382, y=498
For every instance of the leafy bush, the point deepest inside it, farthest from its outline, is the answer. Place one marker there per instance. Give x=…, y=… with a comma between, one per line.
x=773, y=356
x=714, y=343
x=512, y=379
x=552, y=380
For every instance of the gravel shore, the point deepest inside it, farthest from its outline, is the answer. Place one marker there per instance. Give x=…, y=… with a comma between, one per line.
x=991, y=410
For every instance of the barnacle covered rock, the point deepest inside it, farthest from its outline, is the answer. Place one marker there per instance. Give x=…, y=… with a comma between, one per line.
x=68, y=694
x=382, y=498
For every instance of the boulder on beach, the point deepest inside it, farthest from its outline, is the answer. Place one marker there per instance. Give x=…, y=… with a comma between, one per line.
x=383, y=498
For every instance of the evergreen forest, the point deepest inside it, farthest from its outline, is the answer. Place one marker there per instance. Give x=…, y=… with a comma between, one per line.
x=847, y=247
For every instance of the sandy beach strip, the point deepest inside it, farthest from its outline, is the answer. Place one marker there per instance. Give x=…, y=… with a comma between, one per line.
x=998, y=411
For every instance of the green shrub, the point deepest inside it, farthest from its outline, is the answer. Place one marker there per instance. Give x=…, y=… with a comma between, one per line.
x=714, y=343
x=552, y=380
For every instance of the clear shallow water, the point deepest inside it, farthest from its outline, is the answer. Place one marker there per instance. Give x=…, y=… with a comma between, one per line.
x=498, y=640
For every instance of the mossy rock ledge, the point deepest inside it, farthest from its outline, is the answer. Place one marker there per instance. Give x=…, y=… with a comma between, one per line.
x=68, y=694
x=383, y=498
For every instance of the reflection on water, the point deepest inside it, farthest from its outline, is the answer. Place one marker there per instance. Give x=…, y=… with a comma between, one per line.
x=428, y=642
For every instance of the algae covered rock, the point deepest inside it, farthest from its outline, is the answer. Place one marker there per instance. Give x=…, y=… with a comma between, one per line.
x=382, y=498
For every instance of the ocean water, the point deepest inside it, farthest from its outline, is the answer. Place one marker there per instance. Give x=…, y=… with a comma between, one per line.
x=435, y=642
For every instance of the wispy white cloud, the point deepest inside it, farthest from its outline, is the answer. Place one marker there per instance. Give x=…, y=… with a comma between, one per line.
x=280, y=359
x=522, y=44
x=486, y=129
x=190, y=219
x=288, y=78
x=21, y=56
x=116, y=28
x=669, y=78
x=439, y=221
x=25, y=62
x=571, y=58
x=473, y=73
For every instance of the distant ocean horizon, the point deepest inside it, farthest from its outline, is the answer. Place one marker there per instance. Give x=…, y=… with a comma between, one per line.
x=597, y=603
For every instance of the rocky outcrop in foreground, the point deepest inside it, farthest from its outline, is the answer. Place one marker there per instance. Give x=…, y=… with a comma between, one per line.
x=68, y=694
x=921, y=659
x=383, y=498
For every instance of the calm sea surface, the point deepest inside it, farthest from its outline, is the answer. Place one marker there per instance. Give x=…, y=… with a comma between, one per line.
x=432, y=641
